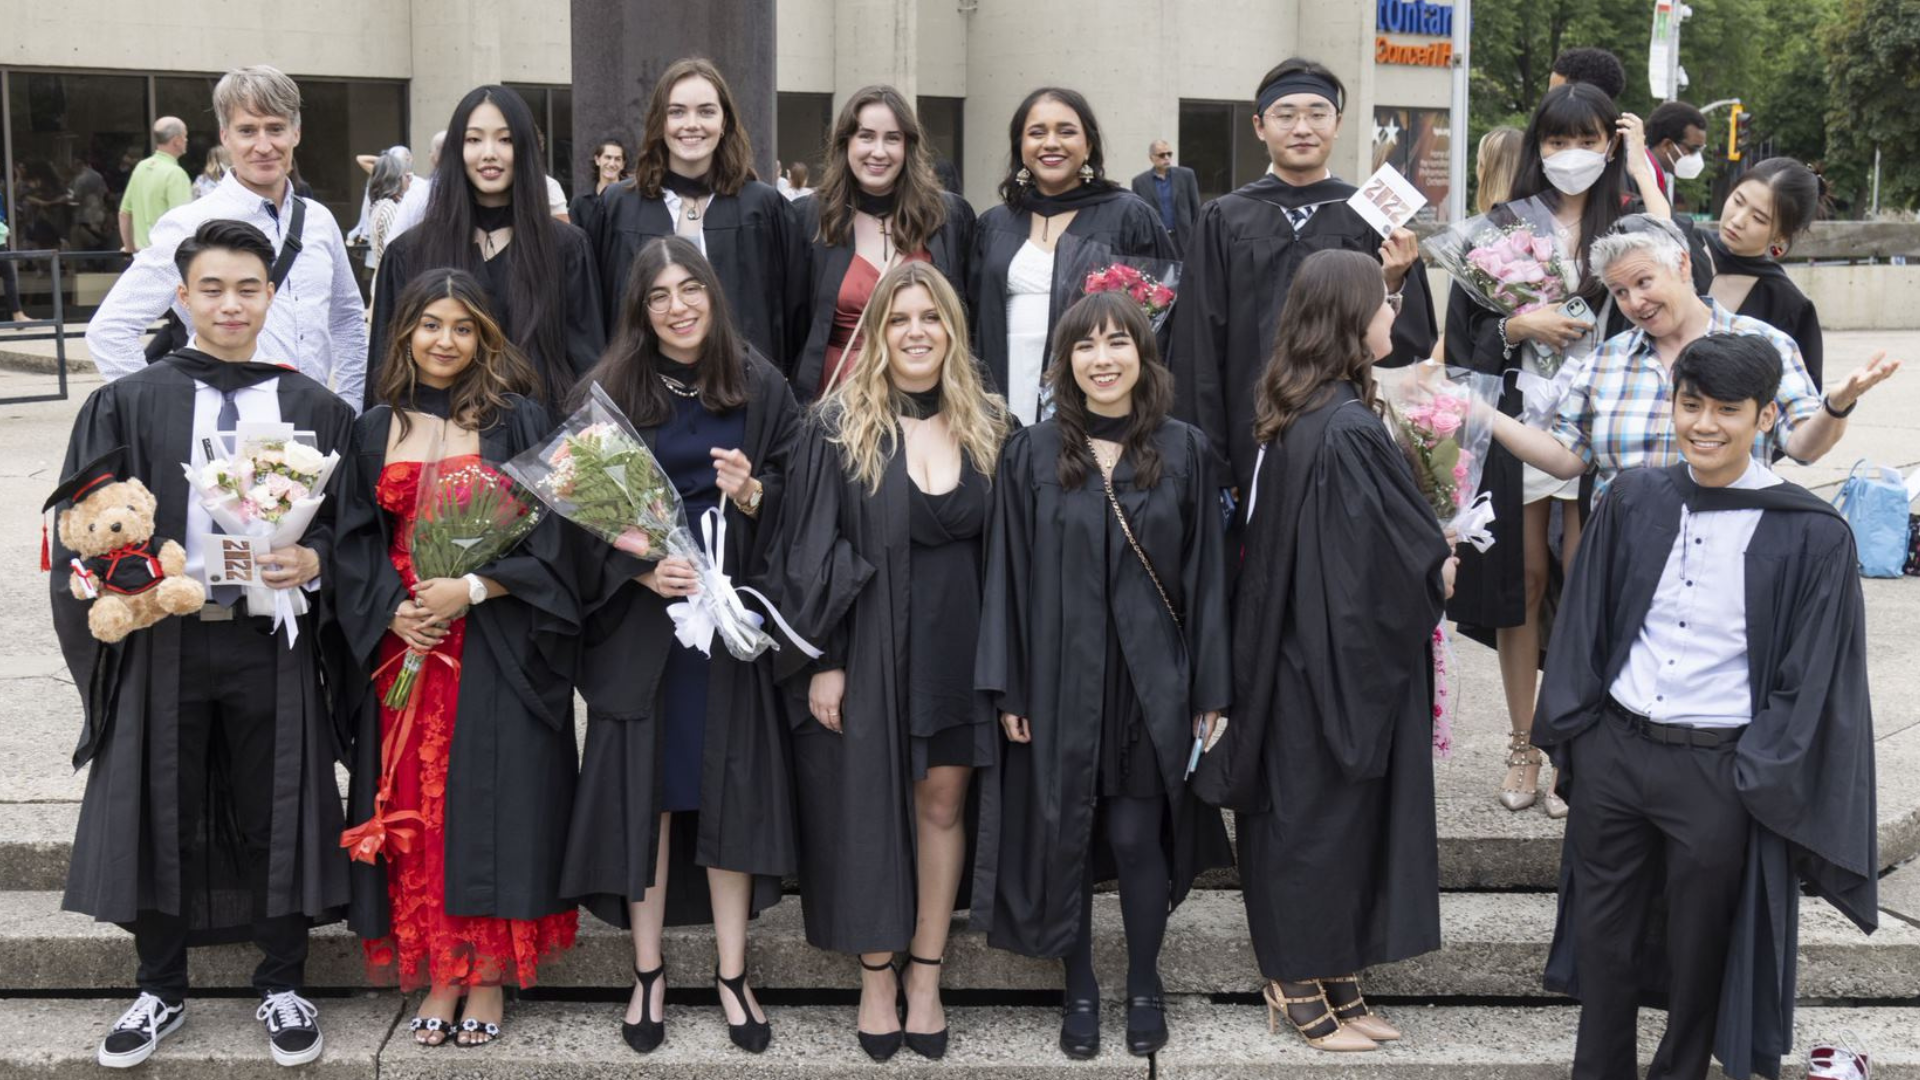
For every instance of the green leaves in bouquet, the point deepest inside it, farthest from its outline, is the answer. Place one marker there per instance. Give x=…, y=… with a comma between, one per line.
x=467, y=518
x=616, y=488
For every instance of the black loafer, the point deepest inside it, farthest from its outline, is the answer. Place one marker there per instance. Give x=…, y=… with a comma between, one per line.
x=1076, y=1044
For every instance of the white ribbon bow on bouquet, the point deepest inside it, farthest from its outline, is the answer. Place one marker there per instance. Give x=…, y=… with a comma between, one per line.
x=717, y=607
x=1470, y=525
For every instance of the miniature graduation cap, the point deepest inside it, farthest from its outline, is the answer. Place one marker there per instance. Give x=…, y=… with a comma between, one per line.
x=102, y=470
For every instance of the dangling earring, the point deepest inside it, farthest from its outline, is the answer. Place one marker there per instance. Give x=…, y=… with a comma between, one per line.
x=1024, y=178
x=1086, y=174
x=1776, y=250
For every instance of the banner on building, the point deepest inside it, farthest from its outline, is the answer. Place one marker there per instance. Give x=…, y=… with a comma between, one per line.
x=1415, y=142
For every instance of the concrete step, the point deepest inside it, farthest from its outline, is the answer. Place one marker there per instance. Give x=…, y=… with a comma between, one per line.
x=580, y=1041
x=1495, y=946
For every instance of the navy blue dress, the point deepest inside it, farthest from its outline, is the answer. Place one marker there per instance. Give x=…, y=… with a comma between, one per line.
x=683, y=446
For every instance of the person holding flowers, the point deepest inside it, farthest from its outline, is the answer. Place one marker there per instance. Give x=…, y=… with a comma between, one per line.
x=452, y=597
x=684, y=813
x=880, y=559
x=1576, y=156
x=1329, y=755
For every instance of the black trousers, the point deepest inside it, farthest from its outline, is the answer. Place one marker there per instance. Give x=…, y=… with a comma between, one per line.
x=1639, y=806
x=227, y=682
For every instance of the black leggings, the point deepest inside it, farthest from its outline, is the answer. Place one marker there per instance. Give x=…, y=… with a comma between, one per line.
x=1134, y=834
x=10, y=280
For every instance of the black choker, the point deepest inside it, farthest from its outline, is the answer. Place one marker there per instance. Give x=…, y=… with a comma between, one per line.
x=920, y=404
x=687, y=187
x=492, y=218
x=432, y=400
x=874, y=205
x=1111, y=429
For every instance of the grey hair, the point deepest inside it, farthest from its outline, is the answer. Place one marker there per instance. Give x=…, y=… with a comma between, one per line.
x=1641, y=234
x=389, y=173
x=168, y=129
x=403, y=155
x=260, y=89
x=439, y=140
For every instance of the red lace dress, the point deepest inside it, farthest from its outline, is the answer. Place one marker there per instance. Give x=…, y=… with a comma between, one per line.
x=429, y=947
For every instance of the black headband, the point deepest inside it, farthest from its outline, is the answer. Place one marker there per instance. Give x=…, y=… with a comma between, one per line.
x=1297, y=82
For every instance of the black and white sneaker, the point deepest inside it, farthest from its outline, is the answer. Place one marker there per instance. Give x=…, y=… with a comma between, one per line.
x=139, y=1030
x=293, y=1029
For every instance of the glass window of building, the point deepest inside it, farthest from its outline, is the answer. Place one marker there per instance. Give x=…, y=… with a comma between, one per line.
x=552, y=108
x=943, y=119
x=75, y=139
x=805, y=122
x=1217, y=142
x=190, y=97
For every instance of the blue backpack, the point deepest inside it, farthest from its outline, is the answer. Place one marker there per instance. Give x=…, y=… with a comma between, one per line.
x=1876, y=507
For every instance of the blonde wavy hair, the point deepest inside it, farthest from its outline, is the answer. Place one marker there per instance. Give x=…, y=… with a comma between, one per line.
x=865, y=407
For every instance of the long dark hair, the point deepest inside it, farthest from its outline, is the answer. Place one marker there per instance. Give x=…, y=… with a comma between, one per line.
x=920, y=208
x=536, y=280
x=1152, y=395
x=1012, y=192
x=478, y=395
x=732, y=164
x=1569, y=111
x=628, y=371
x=1322, y=340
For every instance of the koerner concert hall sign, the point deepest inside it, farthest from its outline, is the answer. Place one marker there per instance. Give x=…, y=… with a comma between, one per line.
x=1414, y=17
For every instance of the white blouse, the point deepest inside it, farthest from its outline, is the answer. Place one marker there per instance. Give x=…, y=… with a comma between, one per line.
x=1029, y=303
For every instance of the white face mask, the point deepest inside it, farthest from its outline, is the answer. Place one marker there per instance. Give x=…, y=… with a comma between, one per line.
x=1690, y=166
x=1574, y=170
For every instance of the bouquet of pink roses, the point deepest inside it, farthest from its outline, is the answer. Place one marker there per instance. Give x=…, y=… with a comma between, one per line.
x=1445, y=437
x=1511, y=261
x=1091, y=267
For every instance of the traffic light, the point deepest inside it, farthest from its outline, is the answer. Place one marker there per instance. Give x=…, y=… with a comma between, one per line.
x=1739, y=132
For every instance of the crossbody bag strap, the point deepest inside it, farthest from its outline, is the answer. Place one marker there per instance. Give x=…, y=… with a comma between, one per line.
x=290, y=247
x=1126, y=529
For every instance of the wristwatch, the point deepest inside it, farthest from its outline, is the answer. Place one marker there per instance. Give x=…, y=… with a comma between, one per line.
x=1838, y=414
x=476, y=589
x=751, y=504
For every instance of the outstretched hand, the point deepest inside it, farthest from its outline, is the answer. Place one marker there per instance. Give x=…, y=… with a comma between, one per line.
x=1878, y=369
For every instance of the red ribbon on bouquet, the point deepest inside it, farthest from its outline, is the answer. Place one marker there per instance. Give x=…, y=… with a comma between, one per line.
x=365, y=841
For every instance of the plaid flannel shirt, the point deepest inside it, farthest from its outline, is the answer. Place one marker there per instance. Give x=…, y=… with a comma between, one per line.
x=1618, y=414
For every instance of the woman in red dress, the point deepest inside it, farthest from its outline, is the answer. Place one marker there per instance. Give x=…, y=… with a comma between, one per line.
x=461, y=824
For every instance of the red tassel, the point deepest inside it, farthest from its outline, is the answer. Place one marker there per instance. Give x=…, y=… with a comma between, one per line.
x=46, y=552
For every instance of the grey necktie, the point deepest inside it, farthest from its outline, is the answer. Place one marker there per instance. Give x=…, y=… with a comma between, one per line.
x=225, y=595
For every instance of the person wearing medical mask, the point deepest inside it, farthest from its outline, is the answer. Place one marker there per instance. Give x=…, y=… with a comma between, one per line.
x=1677, y=140
x=1576, y=156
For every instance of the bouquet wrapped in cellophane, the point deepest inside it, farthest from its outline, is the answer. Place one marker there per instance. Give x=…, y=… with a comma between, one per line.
x=466, y=515
x=1442, y=419
x=597, y=472
x=1513, y=261
x=263, y=481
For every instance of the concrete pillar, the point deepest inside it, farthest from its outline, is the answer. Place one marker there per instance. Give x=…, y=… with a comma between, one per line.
x=1345, y=44
x=620, y=48
x=876, y=41
x=456, y=47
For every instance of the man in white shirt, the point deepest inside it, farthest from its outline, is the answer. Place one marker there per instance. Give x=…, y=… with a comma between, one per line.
x=1706, y=704
x=318, y=320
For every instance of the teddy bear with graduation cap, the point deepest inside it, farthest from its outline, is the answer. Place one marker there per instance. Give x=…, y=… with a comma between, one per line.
x=110, y=529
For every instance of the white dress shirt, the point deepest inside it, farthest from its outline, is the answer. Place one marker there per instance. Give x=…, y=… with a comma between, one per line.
x=699, y=225
x=317, y=320
x=1689, y=663
x=413, y=206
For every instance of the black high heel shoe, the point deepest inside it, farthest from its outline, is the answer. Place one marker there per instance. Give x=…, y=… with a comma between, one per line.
x=929, y=1045
x=754, y=1035
x=1145, y=1040
x=882, y=1047
x=1080, y=1045
x=648, y=1034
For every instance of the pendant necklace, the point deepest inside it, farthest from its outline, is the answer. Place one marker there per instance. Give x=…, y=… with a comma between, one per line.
x=678, y=388
x=693, y=208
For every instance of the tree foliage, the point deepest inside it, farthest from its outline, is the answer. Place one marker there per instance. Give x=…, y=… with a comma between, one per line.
x=1872, y=50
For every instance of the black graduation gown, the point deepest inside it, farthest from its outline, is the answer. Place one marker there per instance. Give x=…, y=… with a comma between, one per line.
x=1240, y=264
x=753, y=242
x=841, y=569
x=1330, y=752
x=948, y=249
x=1776, y=301
x=1042, y=655
x=511, y=765
x=126, y=854
x=585, y=339
x=745, y=822
x=1804, y=768
x=1119, y=219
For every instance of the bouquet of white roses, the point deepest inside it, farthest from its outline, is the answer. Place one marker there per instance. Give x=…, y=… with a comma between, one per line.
x=264, y=482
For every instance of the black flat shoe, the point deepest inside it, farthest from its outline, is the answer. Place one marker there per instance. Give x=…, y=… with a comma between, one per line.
x=1146, y=1038
x=882, y=1047
x=931, y=1045
x=754, y=1035
x=1077, y=1044
x=649, y=1033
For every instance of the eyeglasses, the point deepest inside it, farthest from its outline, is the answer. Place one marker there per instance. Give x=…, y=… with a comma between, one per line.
x=1164, y=153
x=1318, y=119
x=692, y=294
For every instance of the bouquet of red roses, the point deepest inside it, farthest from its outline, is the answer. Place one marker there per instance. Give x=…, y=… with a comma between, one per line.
x=1092, y=267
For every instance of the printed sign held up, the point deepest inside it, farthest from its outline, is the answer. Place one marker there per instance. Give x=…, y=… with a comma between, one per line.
x=1387, y=200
